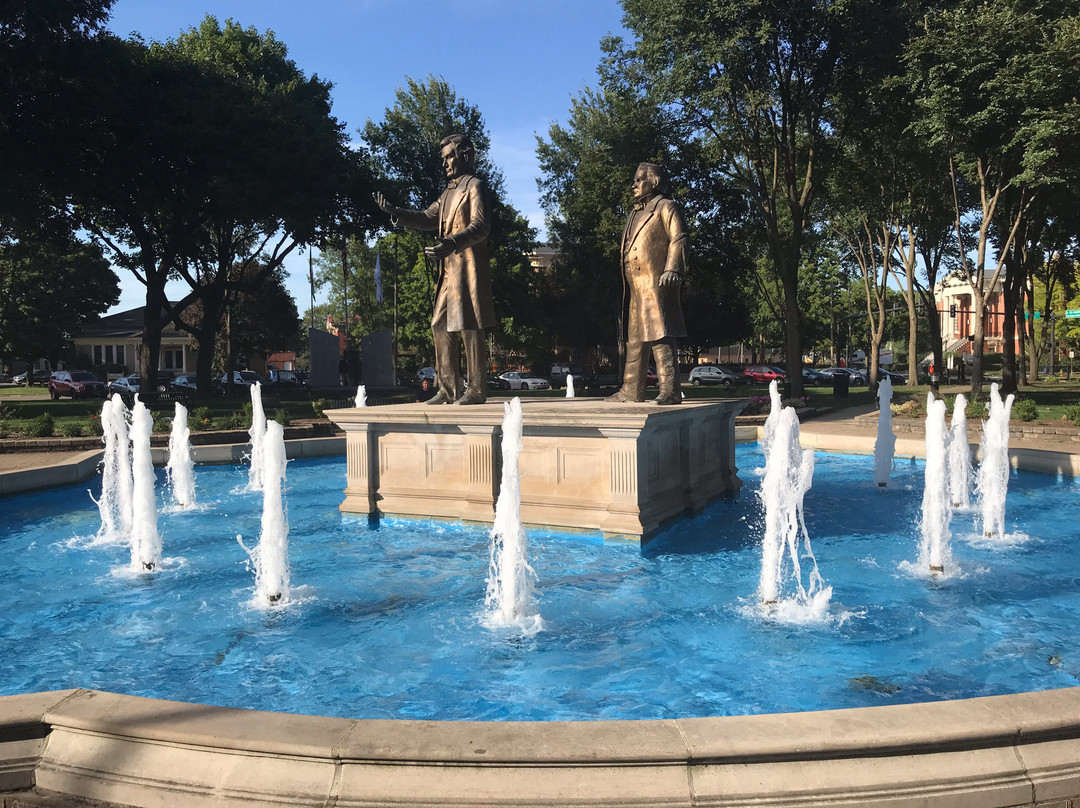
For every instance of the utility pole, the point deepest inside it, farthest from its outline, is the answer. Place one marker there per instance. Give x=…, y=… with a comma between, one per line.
x=394, y=347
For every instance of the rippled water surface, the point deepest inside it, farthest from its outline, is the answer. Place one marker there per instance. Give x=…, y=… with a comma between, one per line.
x=387, y=622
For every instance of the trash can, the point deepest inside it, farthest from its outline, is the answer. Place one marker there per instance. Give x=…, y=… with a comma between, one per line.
x=840, y=383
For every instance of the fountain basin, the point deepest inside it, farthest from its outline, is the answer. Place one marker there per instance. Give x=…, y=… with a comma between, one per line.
x=123, y=750
x=1009, y=750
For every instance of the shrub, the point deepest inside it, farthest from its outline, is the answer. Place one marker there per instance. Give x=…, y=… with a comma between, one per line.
x=320, y=404
x=1072, y=412
x=757, y=405
x=41, y=427
x=1025, y=410
x=201, y=419
x=163, y=423
x=94, y=426
x=70, y=430
x=281, y=416
x=976, y=410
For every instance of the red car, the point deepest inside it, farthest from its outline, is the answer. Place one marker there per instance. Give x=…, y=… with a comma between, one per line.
x=75, y=383
x=763, y=373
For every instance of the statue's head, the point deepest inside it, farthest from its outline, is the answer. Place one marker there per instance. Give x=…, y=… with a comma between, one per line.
x=458, y=155
x=649, y=179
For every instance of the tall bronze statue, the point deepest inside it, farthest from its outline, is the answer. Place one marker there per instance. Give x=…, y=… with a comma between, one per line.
x=653, y=258
x=461, y=221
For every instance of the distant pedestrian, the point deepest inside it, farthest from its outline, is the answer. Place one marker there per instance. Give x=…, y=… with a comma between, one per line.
x=426, y=391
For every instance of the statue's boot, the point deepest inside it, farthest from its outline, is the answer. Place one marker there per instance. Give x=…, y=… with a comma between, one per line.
x=623, y=395
x=439, y=398
x=633, y=386
x=472, y=397
x=667, y=374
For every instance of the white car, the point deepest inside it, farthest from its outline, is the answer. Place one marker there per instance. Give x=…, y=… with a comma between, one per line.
x=524, y=381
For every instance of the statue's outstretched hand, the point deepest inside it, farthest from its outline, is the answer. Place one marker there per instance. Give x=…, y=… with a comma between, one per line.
x=443, y=247
x=386, y=207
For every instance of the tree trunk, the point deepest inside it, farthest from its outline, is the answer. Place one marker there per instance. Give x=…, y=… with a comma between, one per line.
x=792, y=334
x=1011, y=301
x=151, y=337
x=978, y=329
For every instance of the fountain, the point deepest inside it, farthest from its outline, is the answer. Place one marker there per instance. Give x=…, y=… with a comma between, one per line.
x=257, y=432
x=361, y=396
x=509, y=598
x=270, y=556
x=789, y=472
x=885, y=444
x=993, y=478
x=145, y=539
x=570, y=386
x=629, y=634
x=936, y=507
x=959, y=456
x=180, y=470
x=115, y=503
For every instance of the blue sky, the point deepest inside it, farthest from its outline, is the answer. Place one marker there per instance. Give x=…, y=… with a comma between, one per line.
x=518, y=61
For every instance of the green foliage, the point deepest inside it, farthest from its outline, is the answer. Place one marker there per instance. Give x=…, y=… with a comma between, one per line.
x=70, y=429
x=1025, y=410
x=201, y=419
x=281, y=416
x=162, y=422
x=976, y=409
x=1072, y=413
x=320, y=404
x=42, y=426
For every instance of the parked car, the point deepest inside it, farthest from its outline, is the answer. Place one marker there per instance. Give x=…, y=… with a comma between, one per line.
x=854, y=376
x=895, y=378
x=242, y=378
x=125, y=386
x=581, y=377
x=715, y=374
x=651, y=379
x=815, y=378
x=36, y=377
x=425, y=373
x=189, y=385
x=520, y=380
x=286, y=378
x=763, y=373
x=497, y=383
x=75, y=383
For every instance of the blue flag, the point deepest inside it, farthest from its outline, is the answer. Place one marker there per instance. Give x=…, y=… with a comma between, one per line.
x=378, y=278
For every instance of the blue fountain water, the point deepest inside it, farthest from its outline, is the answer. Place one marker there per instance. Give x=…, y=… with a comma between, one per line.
x=387, y=622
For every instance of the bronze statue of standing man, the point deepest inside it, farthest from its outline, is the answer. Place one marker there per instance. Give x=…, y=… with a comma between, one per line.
x=653, y=260
x=461, y=221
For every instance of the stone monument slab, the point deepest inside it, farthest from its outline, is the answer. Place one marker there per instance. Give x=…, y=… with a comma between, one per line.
x=624, y=470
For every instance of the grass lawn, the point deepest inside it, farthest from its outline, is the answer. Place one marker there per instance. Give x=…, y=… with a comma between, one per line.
x=21, y=392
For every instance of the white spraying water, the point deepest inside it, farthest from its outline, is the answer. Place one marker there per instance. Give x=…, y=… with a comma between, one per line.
x=775, y=406
x=361, y=396
x=570, y=386
x=145, y=539
x=993, y=479
x=510, y=600
x=115, y=504
x=885, y=445
x=258, y=436
x=936, y=503
x=959, y=456
x=180, y=470
x=270, y=556
x=789, y=472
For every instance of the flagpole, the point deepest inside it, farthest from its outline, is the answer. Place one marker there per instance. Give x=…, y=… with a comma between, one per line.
x=394, y=349
x=311, y=286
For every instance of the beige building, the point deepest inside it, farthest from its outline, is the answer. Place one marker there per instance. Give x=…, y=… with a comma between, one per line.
x=116, y=340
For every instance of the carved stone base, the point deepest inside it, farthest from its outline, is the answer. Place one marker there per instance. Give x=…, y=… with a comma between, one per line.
x=586, y=464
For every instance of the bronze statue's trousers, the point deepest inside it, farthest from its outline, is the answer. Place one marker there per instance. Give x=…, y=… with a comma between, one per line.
x=448, y=359
x=667, y=374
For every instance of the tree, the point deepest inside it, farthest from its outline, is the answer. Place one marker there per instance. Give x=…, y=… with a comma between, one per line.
x=767, y=91
x=995, y=85
x=404, y=147
x=49, y=287
x=587, y=166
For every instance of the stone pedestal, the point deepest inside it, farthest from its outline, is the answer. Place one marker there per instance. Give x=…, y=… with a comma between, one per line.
x=622, y=469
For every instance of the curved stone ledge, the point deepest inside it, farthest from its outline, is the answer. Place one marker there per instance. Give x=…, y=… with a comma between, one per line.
x=992, y=752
